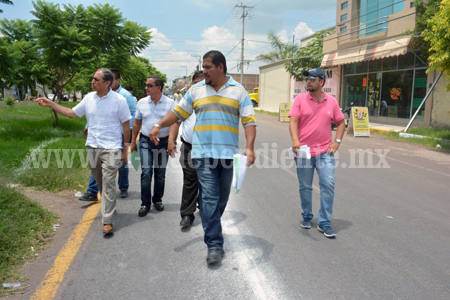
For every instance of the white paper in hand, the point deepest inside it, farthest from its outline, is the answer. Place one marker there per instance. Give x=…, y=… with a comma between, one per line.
x=303, y=152
x=239, y=169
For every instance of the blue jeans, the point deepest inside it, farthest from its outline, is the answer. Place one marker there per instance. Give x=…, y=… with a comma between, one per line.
x=153, y=160
x=122, y=181
x=214, y=178
x=324, y=164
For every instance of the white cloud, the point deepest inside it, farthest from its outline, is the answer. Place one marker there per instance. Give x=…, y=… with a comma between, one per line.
x=302, y=30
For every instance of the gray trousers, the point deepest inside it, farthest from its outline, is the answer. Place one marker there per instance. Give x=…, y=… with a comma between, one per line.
x=104, y=164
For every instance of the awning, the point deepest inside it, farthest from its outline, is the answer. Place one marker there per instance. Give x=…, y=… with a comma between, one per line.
x=376, y=50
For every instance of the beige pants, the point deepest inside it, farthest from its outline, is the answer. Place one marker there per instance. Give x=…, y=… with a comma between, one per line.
x=104, y=164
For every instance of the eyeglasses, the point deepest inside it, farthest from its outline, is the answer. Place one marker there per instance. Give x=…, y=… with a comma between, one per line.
x=310, y=78
x=93, y=78
x=150, y=85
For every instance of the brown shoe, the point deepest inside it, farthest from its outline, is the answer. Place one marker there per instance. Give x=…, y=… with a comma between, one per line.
x=108, y=229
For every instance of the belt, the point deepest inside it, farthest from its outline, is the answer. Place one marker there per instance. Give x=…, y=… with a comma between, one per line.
x=160, y=138
x=185, y=141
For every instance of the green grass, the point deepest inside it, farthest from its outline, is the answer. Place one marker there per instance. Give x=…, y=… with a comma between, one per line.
x=26, y=126
x=265, y=112
x=430, y=133
x=22, y=223
x=23, y=128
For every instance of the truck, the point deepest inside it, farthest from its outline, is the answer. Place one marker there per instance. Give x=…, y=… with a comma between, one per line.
x=254, y=96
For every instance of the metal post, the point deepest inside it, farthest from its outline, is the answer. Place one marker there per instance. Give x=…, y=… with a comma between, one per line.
x=423, y=101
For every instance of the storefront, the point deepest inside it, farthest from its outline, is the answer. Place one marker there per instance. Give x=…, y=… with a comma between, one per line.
x=391, y=87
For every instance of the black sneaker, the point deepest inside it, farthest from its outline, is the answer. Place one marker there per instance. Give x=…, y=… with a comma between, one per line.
x=143, y=211
x=159, y=206
x=88, y=197
x=123, y=194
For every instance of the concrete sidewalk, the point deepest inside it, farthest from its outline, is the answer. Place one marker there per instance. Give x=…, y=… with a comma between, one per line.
x=385, y=127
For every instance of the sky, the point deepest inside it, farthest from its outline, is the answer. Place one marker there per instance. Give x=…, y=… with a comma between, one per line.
x=184, y=30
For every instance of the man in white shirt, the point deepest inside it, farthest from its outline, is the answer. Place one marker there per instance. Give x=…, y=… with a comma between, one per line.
x=107, y=114
x=189, y=197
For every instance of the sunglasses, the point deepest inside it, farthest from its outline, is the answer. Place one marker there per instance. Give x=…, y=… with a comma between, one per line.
x=96, y=79
x=149, y=85
x=312, y=79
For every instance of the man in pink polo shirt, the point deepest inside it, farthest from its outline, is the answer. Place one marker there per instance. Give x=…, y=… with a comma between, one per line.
x=310, y=125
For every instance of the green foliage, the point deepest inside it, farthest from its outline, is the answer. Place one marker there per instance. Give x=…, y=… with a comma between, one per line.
x=425, y=10
x=10, y=101
x=437, y=34
x=5, y=2
x=22, y=223
x=65, y=42
x=308, y=57
x=279, y=51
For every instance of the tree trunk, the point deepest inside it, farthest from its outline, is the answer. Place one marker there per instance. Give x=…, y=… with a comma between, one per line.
x=55, y=121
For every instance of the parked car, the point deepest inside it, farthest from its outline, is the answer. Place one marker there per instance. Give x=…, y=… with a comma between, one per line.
x=254, y=96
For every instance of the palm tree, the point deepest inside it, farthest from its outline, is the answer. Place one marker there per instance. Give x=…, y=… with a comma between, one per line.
x=6, y=2
x=280, y=50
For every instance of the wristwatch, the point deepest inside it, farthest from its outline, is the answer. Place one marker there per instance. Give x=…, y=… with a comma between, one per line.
x=157, y=125
x=338, y=140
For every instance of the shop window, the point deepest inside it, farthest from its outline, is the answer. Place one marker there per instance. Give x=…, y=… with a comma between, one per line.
x=396, y=94
x=349, y=69
x=355, y=90
x=375, y=65
x=406, y=61
x=361, y=67
x=390, y=63
x=420, y=62
x=420, y=90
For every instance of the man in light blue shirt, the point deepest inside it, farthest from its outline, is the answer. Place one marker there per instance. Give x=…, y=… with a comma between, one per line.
x=150, y=110
x=92, y=191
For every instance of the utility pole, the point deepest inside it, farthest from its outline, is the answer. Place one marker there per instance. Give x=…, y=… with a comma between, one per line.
x=244, y=14
x=199, y=61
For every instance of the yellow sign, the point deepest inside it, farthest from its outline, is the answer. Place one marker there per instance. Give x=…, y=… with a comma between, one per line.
x=285, y=108
x=360, y=118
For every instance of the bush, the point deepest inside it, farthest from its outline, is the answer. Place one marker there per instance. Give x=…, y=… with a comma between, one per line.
x=10, y=101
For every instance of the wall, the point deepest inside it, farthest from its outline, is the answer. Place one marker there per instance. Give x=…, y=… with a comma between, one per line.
x=330, y=87
x=440, y=112
x=250, y=80
x=274, y=86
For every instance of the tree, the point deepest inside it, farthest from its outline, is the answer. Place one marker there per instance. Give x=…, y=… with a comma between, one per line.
x=437, y=35
x=425, y=10
x=21, y=52
x=279, y=51
x=75, y=38
x=6, y=2
x=308, y=57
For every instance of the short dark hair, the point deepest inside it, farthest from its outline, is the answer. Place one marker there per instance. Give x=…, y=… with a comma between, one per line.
x=107, y=75
x=217, y=58
x=128, y=88
x=197, y=74
x=115, y=72
x=158, y=81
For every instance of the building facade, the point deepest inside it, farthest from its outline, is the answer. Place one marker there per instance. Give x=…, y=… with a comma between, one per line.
x=378, y=67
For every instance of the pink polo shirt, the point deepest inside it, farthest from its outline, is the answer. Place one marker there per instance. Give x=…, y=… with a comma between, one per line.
x=314, y=127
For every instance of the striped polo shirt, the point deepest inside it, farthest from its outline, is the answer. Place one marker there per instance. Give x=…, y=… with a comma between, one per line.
x=150, y=114
x=216, y=131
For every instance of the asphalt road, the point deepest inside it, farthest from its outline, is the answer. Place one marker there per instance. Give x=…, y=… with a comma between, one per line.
x=391, y=217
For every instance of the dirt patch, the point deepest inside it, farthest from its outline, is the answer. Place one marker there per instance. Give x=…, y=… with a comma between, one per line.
x=70, y=211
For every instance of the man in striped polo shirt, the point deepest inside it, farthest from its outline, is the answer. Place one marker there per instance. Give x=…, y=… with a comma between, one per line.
x=150, y=110
x=218, y=103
